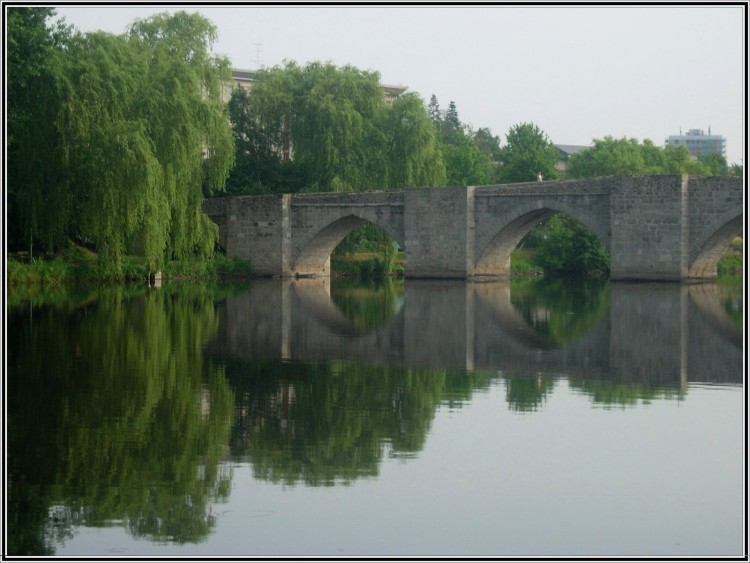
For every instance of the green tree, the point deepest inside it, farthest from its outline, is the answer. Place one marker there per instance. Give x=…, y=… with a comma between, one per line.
x=452, y=126
x=133, y=132
x=629, y=157
x=336, y=127
x=37, y=207
x=715, y=164
x=608, y=157
x=528, y=151
x=570, y=248
x=735, y=170
x=489, y=144
x=433, y=110
x=465, y=162
x=412, y=150
x=258, y=167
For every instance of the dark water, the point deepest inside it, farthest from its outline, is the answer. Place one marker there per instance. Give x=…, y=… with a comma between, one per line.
x=420, y=418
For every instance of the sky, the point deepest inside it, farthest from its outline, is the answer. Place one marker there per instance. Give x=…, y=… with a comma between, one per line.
x=577, y=72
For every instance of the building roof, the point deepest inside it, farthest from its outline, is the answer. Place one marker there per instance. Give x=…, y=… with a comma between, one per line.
x=244, y=75
x=567, y=150
x=241, y=74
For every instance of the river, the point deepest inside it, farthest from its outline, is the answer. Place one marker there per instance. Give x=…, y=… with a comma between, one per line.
x=416, y=418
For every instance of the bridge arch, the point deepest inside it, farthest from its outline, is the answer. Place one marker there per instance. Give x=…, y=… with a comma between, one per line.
x=313, y=257
x=494, y=255
x=712, y=244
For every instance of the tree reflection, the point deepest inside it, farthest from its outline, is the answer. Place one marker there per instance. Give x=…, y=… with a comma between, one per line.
x=368, y=304
x=618, y=394
x=527, y=393
x=729, y=291
x=328, y=423
x=113, y=420
x=561, y=309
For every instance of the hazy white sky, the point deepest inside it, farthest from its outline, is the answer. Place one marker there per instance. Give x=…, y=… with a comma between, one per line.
x=577, y=72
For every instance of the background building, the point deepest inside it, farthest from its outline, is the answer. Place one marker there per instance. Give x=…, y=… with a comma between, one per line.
x=244, y=79
x=564, y=152
x=697, y=142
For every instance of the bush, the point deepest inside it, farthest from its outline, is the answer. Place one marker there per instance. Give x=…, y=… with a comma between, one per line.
x=570, y=248
x=729, y=264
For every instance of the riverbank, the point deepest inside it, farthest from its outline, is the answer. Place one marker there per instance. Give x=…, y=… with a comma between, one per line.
x=79, y=265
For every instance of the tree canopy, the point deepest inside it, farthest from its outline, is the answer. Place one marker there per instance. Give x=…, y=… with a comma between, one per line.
x=128, y=134
x=629, y=157
x=527, y=152
x=467, y=161
x=324, y=128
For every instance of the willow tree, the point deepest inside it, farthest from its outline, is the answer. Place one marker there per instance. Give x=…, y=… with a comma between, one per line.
x=413, y=153
x=337, y=128
x=37, y=209
x=189, y=126
x=142, y=135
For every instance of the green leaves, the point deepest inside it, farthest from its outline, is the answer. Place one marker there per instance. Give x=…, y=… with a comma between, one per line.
x=629, y=157
x=329, y=129
x=527, y=152
x=137, y=133
x=569, y=248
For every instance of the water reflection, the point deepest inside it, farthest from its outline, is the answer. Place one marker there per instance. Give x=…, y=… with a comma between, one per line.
x=558, y=309
x=111, y=419
x=368, y=305
x=645, y=333
x=124, y=403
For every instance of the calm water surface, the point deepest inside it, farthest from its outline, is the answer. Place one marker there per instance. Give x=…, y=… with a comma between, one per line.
x=416, y=418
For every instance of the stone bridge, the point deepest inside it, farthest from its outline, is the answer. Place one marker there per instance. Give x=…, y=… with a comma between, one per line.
x=654, y=227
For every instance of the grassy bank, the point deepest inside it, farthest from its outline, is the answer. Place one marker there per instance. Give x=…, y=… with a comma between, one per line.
x=366, y=265
x=522, y=261
x=78, y=265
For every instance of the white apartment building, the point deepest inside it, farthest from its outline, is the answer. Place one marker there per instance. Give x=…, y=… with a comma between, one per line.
x=697, y=142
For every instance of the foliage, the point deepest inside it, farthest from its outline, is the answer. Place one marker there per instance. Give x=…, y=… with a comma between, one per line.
x=522, y=263
x=466, y=163
x=323, y=128
x=37, y=208
x=74, y=266
x=527, y=152
x=629, y=157
x=730, y=263
x=377, y=252
x=571, y=249
x=489, y=144
x=413, y=152
x=131, y=133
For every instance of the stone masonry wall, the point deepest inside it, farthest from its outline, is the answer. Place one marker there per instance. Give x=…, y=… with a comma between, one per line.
x=254, y=229
x=436, y=226
x=715, y=218
x=648, y=215
x=660, y=228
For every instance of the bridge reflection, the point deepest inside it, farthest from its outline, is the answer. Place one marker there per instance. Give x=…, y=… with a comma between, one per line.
x=652, y=333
